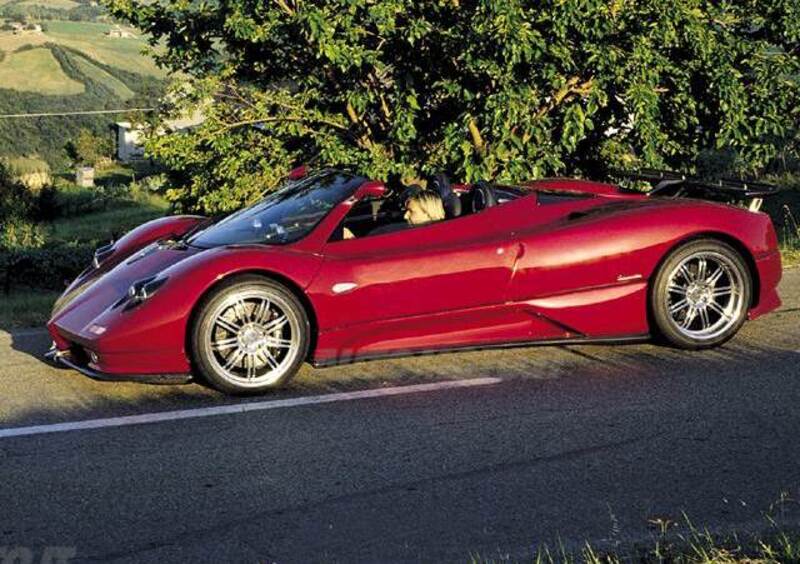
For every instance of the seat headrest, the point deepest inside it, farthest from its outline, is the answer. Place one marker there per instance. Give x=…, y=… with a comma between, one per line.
x=450, y=200
x=482, y=197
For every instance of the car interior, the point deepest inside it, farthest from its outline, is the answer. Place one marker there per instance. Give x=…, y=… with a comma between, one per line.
x=370, y=215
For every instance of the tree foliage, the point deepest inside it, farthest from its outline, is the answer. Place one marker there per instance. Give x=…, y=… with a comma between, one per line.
x=509, y=89
x=87, y=148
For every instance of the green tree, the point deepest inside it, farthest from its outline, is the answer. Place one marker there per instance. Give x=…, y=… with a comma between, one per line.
x=506, y=89
x=16, y=201
x=88, y=148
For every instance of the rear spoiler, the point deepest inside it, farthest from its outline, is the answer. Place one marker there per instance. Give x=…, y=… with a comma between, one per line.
x=676, y=185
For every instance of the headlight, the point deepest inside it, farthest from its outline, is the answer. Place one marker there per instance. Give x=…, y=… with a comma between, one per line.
x=101, y=254
x=144, y=289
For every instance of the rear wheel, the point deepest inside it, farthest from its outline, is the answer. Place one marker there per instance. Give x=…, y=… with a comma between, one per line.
x=701, y=294
x=250, y=335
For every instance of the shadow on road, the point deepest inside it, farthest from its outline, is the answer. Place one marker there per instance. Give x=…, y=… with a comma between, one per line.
x=32, y=342
x=37, y=392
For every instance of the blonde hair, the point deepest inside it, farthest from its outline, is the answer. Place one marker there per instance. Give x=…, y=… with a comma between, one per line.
x=430, y=203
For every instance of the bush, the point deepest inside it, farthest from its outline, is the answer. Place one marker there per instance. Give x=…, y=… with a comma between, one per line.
x=154, y=183
x=18, y=234
x=69, y=200
x=47, y=204
x=50, y=267
x=89, y=149
x=15, y=199
x=24, y=259
x=73, y=200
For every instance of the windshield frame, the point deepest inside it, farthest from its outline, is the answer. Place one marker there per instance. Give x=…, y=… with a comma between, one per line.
x=291, y=192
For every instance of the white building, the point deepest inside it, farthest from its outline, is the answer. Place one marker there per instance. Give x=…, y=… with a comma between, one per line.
x=119, y=33
x=129, y=138
x=84, y=176
x=128, y=141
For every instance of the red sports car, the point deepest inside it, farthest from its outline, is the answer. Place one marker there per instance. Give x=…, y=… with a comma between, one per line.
x=311, y=273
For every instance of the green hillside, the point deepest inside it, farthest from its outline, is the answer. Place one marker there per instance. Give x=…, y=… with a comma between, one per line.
x=76, y=59
x=37, y=70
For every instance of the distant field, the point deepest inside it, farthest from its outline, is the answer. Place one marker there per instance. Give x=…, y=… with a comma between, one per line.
x=37, y=70
x=81, y=29
x=121, y=53
x=72, y=65
x=55, y=4
x=89, y=38
x=10, y=42
x=96, y=73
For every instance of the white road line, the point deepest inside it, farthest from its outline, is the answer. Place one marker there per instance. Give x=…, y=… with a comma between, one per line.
x=240, y=408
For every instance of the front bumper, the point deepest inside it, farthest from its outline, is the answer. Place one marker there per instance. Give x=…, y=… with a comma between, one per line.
x=77, y=360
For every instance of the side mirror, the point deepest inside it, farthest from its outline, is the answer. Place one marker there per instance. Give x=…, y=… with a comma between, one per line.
x=371, y=189
x=298, y=173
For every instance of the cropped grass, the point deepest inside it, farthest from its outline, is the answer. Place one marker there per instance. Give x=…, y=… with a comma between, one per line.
x=790, y=256
x=85, y=37
x=789, y=235
x=104, y=225
x=774, y=545
x=119, y=88
x=24, y=165
x=78, y=28
x=37, y=70
x=25, y=307
x=10, y=42
x=90, y=38
x=55, y=4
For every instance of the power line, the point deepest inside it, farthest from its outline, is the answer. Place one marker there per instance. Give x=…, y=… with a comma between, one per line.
x=80, y=113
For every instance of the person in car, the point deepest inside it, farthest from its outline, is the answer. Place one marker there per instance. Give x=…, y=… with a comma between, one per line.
x=423, y=206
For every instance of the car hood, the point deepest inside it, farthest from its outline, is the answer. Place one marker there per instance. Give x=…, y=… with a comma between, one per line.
x=97, y=294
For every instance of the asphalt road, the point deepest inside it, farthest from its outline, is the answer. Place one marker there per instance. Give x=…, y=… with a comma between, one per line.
x=576, y=443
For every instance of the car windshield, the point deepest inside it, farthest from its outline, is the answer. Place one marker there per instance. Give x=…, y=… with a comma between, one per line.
x=285, y=216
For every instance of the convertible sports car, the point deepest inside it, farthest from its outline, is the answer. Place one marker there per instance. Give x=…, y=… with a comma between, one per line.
x=304, y=276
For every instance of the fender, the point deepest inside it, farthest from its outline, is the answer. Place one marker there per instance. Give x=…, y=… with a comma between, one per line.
x=615, y=250
x=129, y=332
x=171, y=227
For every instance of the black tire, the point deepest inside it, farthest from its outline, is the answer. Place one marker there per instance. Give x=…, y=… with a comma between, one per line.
x=222, y=328
x=681, y=307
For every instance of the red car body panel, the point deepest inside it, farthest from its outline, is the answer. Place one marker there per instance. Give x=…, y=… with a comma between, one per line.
x=524, y=271
x=152, y=339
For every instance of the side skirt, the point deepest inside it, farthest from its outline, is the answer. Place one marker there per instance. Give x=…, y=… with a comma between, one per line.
x=627, y=339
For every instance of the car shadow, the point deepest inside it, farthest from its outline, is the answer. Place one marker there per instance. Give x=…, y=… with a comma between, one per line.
x=48, y=394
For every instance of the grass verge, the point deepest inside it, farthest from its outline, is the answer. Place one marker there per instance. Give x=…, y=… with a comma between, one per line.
x=24, y=308
x=104, y=225
x=790, y=256
x=775, y=546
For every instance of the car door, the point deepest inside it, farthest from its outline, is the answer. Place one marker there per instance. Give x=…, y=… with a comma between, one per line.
x=402, y=289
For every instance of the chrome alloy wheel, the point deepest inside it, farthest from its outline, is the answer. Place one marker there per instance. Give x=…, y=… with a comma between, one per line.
x=254, y=338
x=705, y=295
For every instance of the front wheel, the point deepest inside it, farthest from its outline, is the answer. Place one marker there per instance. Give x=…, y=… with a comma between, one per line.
x=250, y=335
x=701, y=294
